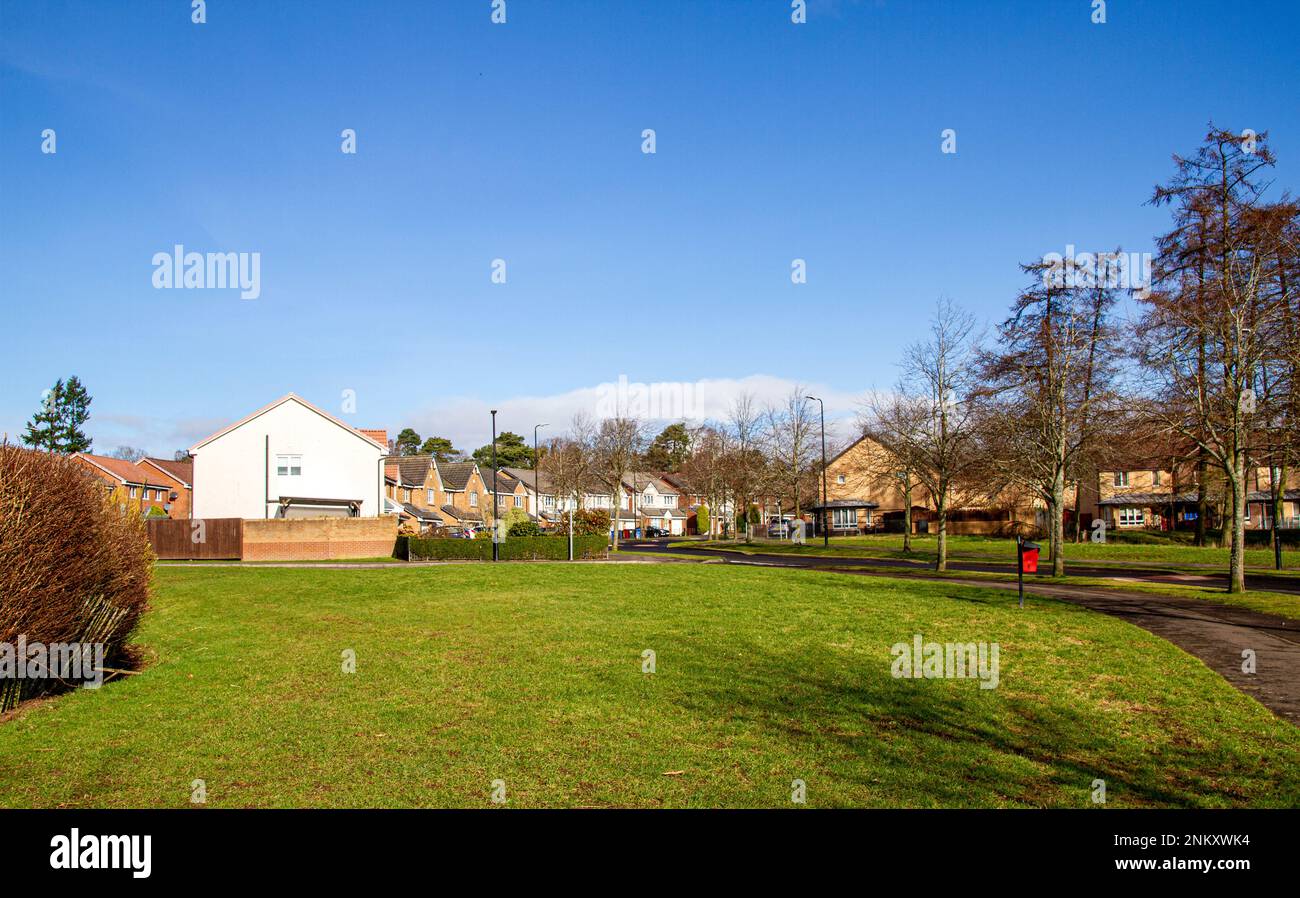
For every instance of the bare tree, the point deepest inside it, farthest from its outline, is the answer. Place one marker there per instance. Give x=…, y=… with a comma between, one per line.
x=1207, y=335
x=885, y=418
x=706, y=469
x=939, y=378
x=746, y=463
x=616, y=446
x=791, y=428
x=1045, y=398
x=568, y=461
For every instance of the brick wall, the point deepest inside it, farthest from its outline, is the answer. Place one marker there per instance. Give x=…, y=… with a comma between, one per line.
x=313, y=539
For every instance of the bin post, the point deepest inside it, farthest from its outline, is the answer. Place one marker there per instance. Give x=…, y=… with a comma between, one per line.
x=1020, y=568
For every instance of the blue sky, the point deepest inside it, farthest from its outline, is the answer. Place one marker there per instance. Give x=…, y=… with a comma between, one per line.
x=522, y=142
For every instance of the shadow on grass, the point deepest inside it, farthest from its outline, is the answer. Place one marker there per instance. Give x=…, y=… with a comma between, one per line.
x=948, y=743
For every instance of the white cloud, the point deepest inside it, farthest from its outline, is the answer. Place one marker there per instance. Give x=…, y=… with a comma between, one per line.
x=467, y=421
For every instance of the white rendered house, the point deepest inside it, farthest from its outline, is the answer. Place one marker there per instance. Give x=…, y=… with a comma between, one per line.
x=288, y=459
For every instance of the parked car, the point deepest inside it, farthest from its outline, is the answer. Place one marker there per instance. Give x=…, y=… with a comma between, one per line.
x=778, y=529
x=653, y=532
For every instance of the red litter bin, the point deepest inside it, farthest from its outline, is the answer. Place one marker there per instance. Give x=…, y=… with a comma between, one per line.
x=1030, y=557
x=1027, y=558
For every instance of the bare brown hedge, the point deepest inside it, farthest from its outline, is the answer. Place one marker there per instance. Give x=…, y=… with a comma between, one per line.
x=74, y=566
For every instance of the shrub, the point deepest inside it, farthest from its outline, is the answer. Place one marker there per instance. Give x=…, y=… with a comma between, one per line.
x=702, y=519
x=587, y=522
x=524, y=548
x=74, y=566
x=525, y=528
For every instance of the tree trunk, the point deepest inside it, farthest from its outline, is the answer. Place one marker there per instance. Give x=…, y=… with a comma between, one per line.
x=1202, y=500
x=1278, y=474
x=1057, y=510
x=907, y=515
x=941, y=519
x=1237, y=555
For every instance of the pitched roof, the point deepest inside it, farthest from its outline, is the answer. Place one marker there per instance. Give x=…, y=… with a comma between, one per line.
x=461, y=514
x=456, y=475
x=663, y=513
x=545, y=484
x=123, y=470
x=420, y=514
x=179, y=470
x=378, y=435
x=288, y=397
x=639, y=480
x=413, y=469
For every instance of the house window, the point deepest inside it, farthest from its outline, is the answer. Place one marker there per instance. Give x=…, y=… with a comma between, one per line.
x=519, y=501
x=432, y=499
x=288, y=465
x=473, y=500
x=1155, y=478
x=1121, y=478
x=133, y=492
x=1131, y=517
x=844, y=517
x=549, y=501
x=839, y=478
x=406, y=495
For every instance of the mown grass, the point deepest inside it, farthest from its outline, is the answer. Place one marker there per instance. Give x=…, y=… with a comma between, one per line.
x=532, y=674
x=1279, y=603
x=983, y=548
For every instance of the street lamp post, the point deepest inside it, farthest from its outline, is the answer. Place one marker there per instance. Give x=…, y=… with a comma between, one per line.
x=496, y=547
x=826, y=533
x=537, y=493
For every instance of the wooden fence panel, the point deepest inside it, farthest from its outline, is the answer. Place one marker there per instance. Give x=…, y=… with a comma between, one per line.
x=209, y=539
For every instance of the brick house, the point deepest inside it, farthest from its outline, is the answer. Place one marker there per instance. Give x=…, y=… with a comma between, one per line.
x=414, y=486
x=865, y=493
x=182, y=474
x=145, y=488
x=465, y=496
x=1156, y=498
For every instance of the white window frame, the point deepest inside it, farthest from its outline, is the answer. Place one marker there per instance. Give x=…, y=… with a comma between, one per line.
x=1128, y=515
x=839, y=479
x=1121, y=478
x=288, y=466
x=133, y=491
x=473, y=499
x=432, y=497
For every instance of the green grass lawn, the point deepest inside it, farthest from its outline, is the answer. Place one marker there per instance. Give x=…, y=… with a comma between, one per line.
x=983, y=548
x=532, y=674
x=1279, y=603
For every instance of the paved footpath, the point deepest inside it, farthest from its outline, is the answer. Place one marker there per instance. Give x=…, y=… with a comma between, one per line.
x=1216, y=634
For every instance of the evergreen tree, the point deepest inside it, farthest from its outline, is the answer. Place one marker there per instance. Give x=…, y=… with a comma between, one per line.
x=407, y=443
x=57, y=426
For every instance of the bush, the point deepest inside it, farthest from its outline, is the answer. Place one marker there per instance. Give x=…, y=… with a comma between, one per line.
x=525, y=528
x=524, y=548
x=74, y=566
x=587, y=522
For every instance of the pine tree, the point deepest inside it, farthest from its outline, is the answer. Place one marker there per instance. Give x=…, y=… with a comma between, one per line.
x=57, y=426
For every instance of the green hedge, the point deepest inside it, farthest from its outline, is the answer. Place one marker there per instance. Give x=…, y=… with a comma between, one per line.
x=520, y=548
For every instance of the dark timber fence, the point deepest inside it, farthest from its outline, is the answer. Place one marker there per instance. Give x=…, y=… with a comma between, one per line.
x=213, y=538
